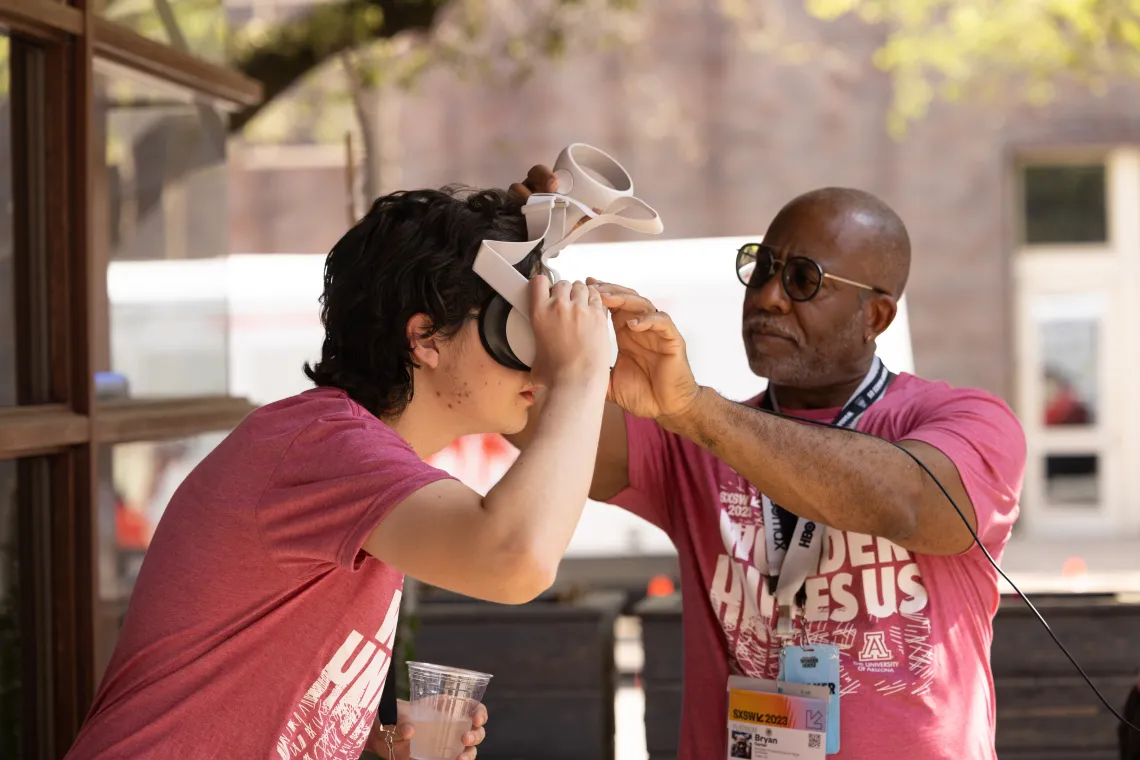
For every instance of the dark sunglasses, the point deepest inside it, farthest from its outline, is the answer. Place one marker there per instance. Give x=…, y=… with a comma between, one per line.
x=801, y=277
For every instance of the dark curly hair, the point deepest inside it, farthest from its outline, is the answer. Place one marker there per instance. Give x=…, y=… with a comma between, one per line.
x=411, y=254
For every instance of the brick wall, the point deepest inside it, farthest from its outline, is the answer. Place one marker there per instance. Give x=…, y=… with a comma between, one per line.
x=718, y=137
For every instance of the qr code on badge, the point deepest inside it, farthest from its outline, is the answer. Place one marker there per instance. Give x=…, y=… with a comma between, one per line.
x=814, y=741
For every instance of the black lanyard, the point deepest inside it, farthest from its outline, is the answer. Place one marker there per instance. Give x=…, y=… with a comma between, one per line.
x=873, y=387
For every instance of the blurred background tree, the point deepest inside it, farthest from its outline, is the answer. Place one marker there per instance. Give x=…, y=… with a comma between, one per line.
x=931, y=48
x=954, y=48
x=350, y=55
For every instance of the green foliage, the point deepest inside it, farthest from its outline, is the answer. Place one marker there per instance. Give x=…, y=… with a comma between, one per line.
x=932, y=49
x=498, y=41
x=197, y=26
x=951, y=48
x=5, y=68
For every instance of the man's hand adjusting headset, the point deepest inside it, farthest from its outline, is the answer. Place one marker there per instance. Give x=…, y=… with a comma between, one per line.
x=594, y=190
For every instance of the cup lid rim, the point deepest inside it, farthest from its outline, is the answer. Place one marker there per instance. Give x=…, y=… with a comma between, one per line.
x=449, y=670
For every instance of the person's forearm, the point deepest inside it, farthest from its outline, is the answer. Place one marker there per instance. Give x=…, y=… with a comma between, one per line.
x=846, y=481
x=540, y=498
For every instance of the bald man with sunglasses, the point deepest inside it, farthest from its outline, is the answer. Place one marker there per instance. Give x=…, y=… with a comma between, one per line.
x=802, y=544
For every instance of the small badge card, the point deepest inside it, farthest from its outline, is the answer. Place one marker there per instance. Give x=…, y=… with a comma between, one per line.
x=818, y=665
x=771, y=721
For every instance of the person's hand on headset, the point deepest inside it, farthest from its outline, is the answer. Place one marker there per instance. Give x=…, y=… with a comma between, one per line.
x=652, y=377
x=571, y=333
x=541, y=179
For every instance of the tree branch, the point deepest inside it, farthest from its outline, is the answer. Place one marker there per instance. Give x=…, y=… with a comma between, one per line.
x=364, y=117
x=299, y=46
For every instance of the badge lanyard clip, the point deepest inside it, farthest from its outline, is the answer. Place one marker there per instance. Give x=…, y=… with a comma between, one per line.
x=786, y=623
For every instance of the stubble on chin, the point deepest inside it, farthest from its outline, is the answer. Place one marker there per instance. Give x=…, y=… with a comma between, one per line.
x=810, y=366
x=787, y=370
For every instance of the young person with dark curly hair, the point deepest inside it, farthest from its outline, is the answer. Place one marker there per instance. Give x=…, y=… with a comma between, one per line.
x=262, y=621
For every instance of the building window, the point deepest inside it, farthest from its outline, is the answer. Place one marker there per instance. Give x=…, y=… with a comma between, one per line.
x=136, y=483
x=147, y=210
x=164, y=172
x=1068, y=349
x=1073, y=480
x=1064, y=203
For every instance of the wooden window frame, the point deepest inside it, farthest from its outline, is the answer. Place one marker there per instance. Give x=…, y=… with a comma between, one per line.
x=118, y=45
x=62, y=323
x=42, y=18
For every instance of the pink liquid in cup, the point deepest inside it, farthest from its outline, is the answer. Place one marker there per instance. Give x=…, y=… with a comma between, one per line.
x=443, y=702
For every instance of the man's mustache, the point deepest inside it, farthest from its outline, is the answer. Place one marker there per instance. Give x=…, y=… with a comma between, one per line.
x=767, y=326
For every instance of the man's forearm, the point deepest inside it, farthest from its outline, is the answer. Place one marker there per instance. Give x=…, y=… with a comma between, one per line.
x=846, y=481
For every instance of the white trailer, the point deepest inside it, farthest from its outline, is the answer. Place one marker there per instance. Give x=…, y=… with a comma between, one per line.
x=273, y=327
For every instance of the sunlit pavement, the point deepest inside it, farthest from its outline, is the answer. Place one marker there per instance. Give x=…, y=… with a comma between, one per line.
x=629, y=708
x=1078, y=565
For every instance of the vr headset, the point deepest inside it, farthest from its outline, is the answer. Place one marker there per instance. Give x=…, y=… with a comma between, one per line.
x=593, y=190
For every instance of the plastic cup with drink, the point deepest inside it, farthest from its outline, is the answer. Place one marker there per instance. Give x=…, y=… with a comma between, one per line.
x=443, y=703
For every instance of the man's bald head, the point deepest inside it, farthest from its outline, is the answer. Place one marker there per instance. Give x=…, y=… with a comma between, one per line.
x=861, y=229
x=829, y=338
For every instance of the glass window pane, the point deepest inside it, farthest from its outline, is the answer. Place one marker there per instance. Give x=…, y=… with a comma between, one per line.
x=7, y=273
x=164, y=190
x=197, y=27
x=1069, y=346
x=136, y=482
x=1065, y=204
x=1072, y=480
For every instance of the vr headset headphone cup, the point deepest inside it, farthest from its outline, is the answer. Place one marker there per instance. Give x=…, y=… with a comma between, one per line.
x=588, y=179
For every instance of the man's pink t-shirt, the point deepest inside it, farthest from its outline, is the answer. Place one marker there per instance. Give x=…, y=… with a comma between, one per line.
x=258, y=627
x=914, y=631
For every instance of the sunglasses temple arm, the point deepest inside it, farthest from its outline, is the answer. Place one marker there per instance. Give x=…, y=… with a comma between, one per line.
x=852, y=283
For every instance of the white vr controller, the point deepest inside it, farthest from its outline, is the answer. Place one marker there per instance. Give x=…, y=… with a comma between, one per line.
x=593, y=190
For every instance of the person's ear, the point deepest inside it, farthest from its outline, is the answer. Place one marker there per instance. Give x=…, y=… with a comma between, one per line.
x=425, y=348
x=880, y=313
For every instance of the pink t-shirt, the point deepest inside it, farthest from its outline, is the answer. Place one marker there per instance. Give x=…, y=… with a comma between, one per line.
x=914, y=631
x=258, y=628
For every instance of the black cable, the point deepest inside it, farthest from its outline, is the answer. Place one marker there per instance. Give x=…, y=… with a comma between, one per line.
x=985, y=551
